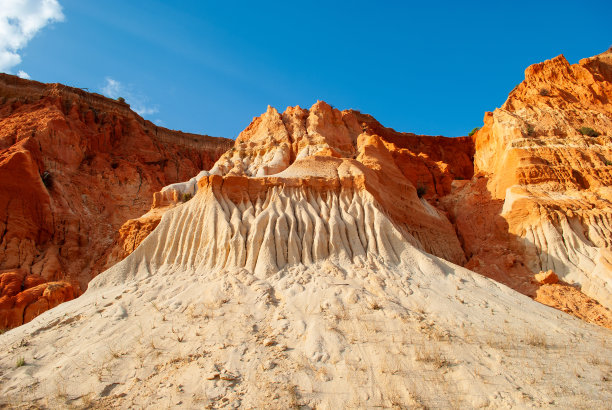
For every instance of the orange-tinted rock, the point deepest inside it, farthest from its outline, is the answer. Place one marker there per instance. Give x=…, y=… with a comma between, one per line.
x=53, y=293
x=570, y=300
x=431, y=162
x=273, y=141
x=547, y=278
x=553, y=182
x=490, y=248
x=534, y=137
x=75, y=166
x=133, y=232
x=322, y=148
x=24, y=296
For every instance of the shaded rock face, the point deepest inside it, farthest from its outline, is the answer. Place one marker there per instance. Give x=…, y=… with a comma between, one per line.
x=24, y=296
x=74, y=167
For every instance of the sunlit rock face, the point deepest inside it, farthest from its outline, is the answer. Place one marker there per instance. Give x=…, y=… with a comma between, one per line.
x=546, y=155
x=340, y=154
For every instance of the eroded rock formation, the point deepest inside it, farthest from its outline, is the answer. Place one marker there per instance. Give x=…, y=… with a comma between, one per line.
x=74, y=166
x=325, y=149
x=528, y=193
x=24, y=296
x=471, y=220
x=550, y=178
x=316, y=265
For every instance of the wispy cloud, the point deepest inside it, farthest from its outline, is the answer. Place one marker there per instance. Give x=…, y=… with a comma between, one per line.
x=23, y=74
x=114, y=89
x=20, y=20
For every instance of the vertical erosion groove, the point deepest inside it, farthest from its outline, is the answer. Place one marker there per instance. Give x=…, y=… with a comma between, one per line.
x=284, y=226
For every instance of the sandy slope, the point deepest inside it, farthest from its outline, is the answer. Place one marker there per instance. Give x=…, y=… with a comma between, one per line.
x=177, y=324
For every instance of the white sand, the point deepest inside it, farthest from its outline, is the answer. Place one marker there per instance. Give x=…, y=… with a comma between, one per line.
x=227, y=306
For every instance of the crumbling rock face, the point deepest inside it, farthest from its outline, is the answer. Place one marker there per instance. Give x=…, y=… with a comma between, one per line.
x=571, y=300
x=24, y=296
x=273, y=141
x=74, y=166
x=535, y=133
x=554, y=181
x=133, y=232
x=490, y=249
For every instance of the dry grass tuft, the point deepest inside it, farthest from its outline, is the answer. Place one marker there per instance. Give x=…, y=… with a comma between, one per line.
x=536, y=340
x=433, y=356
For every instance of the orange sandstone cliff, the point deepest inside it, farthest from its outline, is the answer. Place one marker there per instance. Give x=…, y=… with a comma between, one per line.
x=528, y=193
x=74, y=166
x=543, y=164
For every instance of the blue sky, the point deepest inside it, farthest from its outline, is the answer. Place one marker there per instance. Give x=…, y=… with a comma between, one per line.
x=210, y=67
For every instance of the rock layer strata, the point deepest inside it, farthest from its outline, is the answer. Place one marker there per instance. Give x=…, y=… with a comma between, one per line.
x=553, y=181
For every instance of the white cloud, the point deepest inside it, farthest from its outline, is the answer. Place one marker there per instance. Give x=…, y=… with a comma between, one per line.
x=23, y=74
x=114, y=89
x=20, y=20
x=142, y=110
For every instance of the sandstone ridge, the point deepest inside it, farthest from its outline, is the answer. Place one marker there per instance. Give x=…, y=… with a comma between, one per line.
x=323, y=149
x=546, y=155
